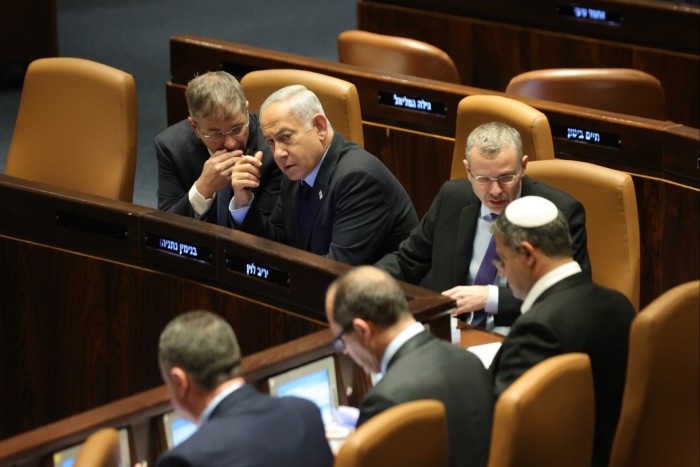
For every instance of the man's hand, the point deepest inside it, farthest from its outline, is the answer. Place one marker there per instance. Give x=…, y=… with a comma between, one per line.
x=468, y=297
x=216, y=173
x=244, y=177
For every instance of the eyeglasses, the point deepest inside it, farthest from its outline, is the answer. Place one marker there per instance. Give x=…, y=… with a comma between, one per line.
x=338, y=342
x=221, y=135
x=501, y=180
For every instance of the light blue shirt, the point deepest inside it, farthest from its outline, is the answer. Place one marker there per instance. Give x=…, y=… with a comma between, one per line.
x=216, y=401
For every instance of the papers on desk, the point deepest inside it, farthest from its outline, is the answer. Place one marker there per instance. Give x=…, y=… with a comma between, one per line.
x=485, y=352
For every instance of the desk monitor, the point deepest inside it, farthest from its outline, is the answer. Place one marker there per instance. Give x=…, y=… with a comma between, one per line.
x=67, y=457
x=177, y=429
x=314, y=381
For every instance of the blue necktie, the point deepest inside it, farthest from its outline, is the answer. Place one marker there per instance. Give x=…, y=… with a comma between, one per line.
x=486, y=275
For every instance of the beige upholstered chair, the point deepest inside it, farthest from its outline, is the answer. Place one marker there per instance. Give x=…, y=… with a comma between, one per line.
x=76, y=128
x=339, y=98
x=660, y=417
x=621, y=90
x=612, y=220
x=530, y=122
x=101, y=449
x=545, y=417
x=412, y=434
x=396, y=54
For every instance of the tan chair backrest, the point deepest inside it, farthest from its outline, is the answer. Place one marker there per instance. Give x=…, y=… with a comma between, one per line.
x=101, y=449
x=621, y=90
x=545, y=417
x=76, y=128
x=660, y=417
x=612, y=220
x=396, y=54
x=339, y=98
x=412, y=434
x=530, y=122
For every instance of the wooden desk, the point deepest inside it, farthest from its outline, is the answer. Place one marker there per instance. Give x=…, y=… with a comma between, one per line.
x=491, y=42
x=417, y=146
x=86, y=294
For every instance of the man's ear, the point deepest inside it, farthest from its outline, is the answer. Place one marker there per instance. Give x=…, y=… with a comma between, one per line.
x=528, y=252
x=320, y=122
x=363, y=329
x=192, y=122
x=180, y=382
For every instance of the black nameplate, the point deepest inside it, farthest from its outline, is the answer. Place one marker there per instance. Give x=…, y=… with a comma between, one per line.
x=86, y=224
x=586, y=136
x=257, y=270
x=177, y=248
x=593, y=15
x=419, y=104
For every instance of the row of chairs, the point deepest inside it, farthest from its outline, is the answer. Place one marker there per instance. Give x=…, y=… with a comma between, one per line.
x=621, y=90
x=76, y=129
x=546, y=417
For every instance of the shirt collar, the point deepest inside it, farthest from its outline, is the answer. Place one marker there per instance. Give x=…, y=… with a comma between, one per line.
x=552, y=277
x=311, y=178
x=396, y=344
x=217, y=400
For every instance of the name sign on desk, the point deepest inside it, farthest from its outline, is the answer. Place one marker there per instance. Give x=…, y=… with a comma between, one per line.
x=257, y=270
x=586, y=136
x=178, y=248
x=594, y=15
x=419, y=104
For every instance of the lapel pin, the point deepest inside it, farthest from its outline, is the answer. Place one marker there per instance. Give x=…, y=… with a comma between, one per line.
x=320, y=194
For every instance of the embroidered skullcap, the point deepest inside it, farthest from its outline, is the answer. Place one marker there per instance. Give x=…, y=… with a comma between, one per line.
x=531, y=211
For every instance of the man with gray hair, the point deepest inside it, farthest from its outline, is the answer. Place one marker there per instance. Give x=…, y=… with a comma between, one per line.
x=196, y=155
x=336, y=199
x=563, y=310
x=200, y=361
x=452, y=250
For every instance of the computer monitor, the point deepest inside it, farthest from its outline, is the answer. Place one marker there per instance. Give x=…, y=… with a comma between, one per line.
x=177, y=429
x=314, y=381
x=66, y=457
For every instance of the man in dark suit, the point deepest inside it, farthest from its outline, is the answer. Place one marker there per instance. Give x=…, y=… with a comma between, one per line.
x=447, y=249
x=336, y=199
x=201, y=364
x=368, y=311
x=563, y=310
x=196, y=155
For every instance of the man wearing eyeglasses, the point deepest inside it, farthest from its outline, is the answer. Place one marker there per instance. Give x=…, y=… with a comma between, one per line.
x=452, y=249
x=367, y=310
x=196, y=156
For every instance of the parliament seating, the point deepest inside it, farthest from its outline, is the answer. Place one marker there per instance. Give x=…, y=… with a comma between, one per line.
x=101, y=449
x=76, y=128
x=661, y=402
x=620, y=90
x=545, y=417
x=612, y=223
x=382, y=52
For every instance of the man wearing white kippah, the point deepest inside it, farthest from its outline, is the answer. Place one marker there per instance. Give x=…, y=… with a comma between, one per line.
x=451, y=250
x=563, y=310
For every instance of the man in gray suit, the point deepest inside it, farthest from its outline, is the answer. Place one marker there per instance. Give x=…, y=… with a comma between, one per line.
x=563, y=310
x=368, y=311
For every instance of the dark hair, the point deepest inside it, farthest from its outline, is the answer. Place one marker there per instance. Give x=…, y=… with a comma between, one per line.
x=202, y=344
x=369, y=293
x=554, y=238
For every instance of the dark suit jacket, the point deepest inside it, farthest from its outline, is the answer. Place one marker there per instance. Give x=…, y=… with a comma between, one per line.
x=426, y=367
x=251, y=429
x=361, y=210
x=575, y=315
x=437, y=253
x=181, y=156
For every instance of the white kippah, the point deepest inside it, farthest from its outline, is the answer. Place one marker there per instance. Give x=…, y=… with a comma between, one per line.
x=531, y=211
